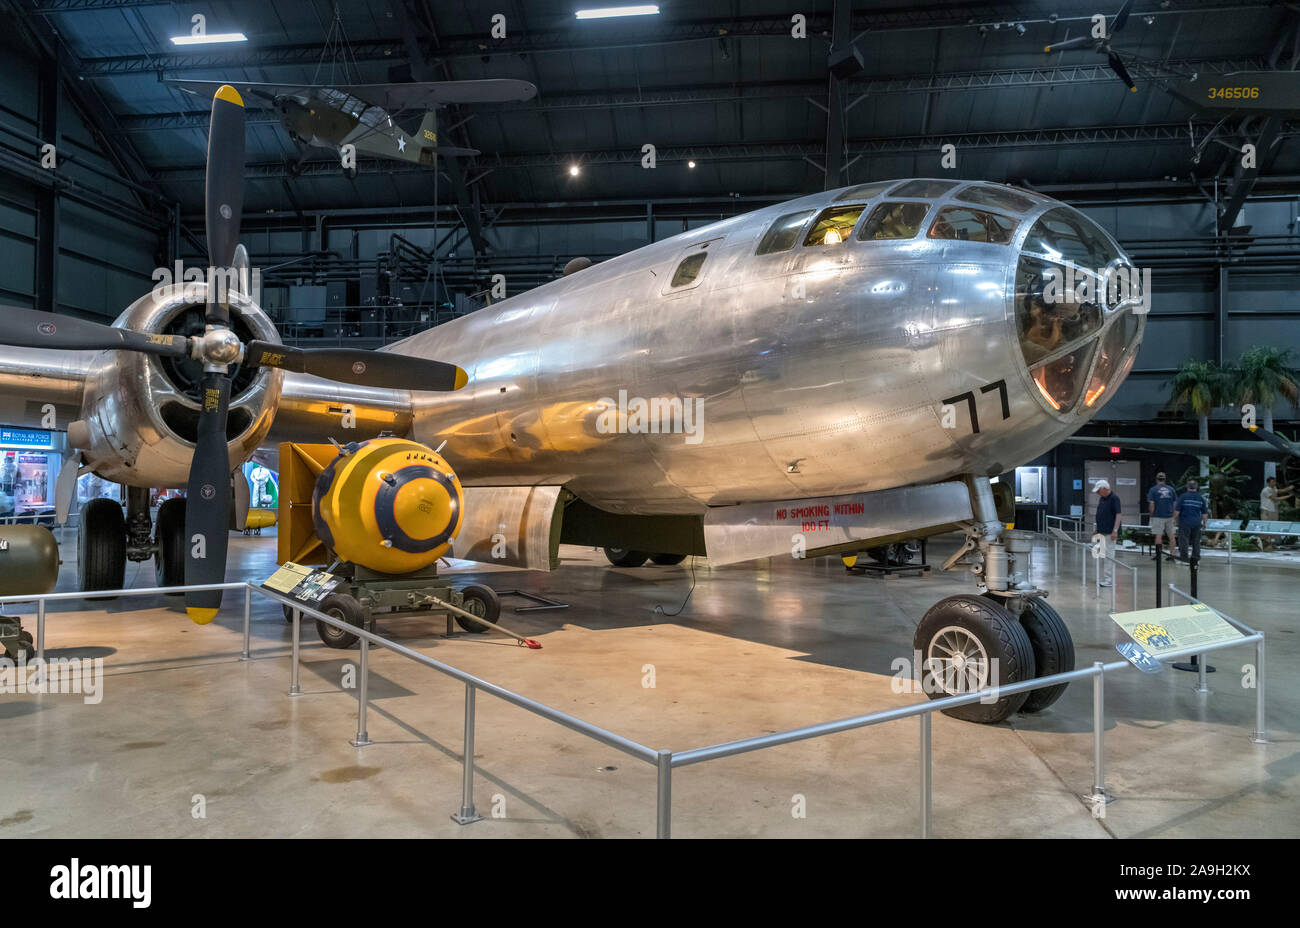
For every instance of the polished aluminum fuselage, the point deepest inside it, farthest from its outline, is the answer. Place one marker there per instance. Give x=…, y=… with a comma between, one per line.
x=819, y=371
x=822, y=370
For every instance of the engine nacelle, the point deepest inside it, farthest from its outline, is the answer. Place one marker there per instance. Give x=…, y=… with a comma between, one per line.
x=388, y=504
x=139, y=413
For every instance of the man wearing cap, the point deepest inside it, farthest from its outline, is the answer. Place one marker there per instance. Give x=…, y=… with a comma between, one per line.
x=1107, y=526
x=1190, y=514
x=1160, y=504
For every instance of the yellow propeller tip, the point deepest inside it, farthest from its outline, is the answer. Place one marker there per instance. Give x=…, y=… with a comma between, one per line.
x=1047, y=48
x=1132, y=90
x=230, y=95
x=201, y=616
x=462, y=378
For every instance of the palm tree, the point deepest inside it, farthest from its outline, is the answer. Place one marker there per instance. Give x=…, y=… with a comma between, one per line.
x=1262, y=375
x=1201, y=386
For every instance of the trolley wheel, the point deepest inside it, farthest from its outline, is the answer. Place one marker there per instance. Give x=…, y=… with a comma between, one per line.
x=340, y=606
x=169, y=535
x=101, y=546
x=622, y=557
x=667, y=560
x=960, y=638
x=26, y=646
x=484, y=602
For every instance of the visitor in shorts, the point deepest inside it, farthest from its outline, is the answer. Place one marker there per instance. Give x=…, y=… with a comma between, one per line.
x=1160, y=504
x=1190, y=513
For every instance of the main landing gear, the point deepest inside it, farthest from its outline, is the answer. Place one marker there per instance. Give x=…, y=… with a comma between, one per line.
x=109, y=538
x=1006, y=634
x=625, y=557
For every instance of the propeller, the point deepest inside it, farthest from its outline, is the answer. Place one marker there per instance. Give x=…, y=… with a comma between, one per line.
x=29, y=328
x=207, y=500
x=1102, y=45
x=207, y=494
x=365, y=368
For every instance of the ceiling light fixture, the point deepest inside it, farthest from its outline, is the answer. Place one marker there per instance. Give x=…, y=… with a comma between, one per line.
x=690, y=164
x=608, y=12
x=211, y=39
x=573, y=170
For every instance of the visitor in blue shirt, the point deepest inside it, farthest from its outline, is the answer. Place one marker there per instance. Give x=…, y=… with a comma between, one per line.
x=1190, y=513
x=1160, y=504
x=1107, y=526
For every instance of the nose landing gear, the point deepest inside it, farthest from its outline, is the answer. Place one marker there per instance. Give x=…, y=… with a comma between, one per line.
x=1006, y=634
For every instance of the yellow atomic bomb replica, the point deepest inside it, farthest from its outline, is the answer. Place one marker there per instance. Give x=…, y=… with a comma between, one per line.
x=389, y=504
x=379, y=514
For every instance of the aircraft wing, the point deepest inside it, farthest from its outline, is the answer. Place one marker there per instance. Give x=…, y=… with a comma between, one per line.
x=206, y=90
x=1247, y=450
x=428, y=94
x=394, y=98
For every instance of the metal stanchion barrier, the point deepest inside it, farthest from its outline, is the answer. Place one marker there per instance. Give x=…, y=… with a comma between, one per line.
x=468, y=814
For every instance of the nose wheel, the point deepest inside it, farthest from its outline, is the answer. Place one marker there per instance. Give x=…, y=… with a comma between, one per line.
x=967, y=643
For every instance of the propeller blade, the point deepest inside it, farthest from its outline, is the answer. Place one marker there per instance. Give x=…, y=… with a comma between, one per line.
x=225, y=187
x=1075, y=42
x=364, y=368
x=29, y=328
x=207, y=502
x=1121, y=17
x=1276, y=440
x=1117, y=66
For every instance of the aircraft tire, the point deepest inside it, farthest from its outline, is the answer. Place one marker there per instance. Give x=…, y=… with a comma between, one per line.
x=345, y=607
x=973, y=628
x=169, y=531
x=484, y=602
x=623, y=557
x=667, y=560
x=101, y=546
x=1053, y=651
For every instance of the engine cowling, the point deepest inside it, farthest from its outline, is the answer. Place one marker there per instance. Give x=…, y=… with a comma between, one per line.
x=388, y=504
x=139, y=413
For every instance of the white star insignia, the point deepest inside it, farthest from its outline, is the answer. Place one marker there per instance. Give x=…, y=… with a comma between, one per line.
x=401, y=143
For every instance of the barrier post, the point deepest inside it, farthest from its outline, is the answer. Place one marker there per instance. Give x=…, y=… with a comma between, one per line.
x=468, y=814
x=363, y=698
x=664, y=799
x=1159, y=561
x=1260, y=734
x=248, y=609
x=294, y=688
x=1099, y=793
x=1197, y=663
x=926, y=783
x=40, y=629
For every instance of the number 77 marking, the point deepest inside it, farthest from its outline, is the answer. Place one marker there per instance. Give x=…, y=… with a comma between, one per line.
x=969, y=397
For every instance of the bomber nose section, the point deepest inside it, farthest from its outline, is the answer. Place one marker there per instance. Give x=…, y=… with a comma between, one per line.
x=1079, y=312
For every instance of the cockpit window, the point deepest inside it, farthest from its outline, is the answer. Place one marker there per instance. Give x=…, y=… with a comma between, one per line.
x=833, y=225
x=923, y=188
x=1118, y=352
x=1062, y=305
x=863, y=192
x=783, y=233
x=972, y=225
x=688, y=270
x=996, y=197
x=1063, y=235
x=1050, y=315
x=893, y=220
x=1061, y=380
